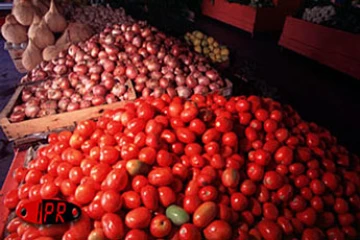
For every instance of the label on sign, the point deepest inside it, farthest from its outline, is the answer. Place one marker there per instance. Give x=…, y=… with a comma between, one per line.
x=48, y=211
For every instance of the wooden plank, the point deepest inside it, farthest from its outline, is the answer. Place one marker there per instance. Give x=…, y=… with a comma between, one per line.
x=334, y=48
x=22, y=129
x=9, y=184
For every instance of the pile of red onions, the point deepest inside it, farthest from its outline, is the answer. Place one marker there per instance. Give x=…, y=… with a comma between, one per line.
x=94, y=72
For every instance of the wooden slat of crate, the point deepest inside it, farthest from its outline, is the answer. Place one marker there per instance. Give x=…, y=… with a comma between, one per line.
x=21, y=129
x=334, y=48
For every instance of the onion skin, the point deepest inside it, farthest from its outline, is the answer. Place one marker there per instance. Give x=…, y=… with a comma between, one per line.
x=31, y=111
x=17, y=116
x=183, y=92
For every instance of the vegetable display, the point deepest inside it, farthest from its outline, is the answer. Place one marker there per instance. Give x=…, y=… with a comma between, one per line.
x=204, y=168
x=207, y=46
x=94, y=72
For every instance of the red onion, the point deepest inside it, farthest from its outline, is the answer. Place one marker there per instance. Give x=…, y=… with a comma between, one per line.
x=108, y=83
x=157, y=92
x=49, y=104
x=139, y=87
x=17, y=116
x=212, y=75
x=95, y=77
x=109, y=39
x=137, y=41
x=73, y=49
x=98, y=100
x=164, y=83
x=63, y=103
x=68, y=92
x=32, y=102
x=103, y=54
x=204, y=81
x=64, y=83
x=146, y=92
x=220, y=83
x=122, y=56
x=130, y=49
x=85, y=104
x=79, y=56
x=180, y=80
x=200, y=89
x=201, y=68
x=19, y=108
x=108, y=65
x=111, y=49
x=156, y=75
x=96, y=69
x=214, y=86
x=129, y=35
x=171, y=92
x=152, y=48
x=131, y=72
x=141, y=78
x=99, y=90
x=41, y=94
x=191, y=82
x=153, y=66
x=26, y=95
x=143, y=52
x=146, y=32
x=94, y=52
x=169, y=76
x=119, y=70
x=183, y=92
x=152, y=83
x=69, y=63
x=75, y=98
x=54, y=94
x=73, y=106
x=118, y=89
x=80, y=69
x=88, y=97
x=111, y=98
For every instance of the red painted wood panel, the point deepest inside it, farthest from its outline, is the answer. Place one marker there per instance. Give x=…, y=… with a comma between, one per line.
x=9, y=184
x=334, y=48
x=248, y=18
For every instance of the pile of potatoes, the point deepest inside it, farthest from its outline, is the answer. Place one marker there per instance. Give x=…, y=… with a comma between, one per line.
x=207, y=46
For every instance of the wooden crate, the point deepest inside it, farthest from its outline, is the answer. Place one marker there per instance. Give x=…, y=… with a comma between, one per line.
x=334, y=48
x=19, y=130
x=248, y=18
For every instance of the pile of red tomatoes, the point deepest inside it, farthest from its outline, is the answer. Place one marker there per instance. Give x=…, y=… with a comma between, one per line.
x=205, y=168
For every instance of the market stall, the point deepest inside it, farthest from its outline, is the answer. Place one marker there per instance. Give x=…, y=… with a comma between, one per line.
x=145, y=140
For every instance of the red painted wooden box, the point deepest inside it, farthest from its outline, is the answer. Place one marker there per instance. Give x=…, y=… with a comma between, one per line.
x=334, y=48
x=248, y=18
x=9, y=184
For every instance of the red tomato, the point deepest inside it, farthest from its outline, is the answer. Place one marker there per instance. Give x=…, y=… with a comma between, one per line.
x=75, y=175
x=238, y=201
x=11, y=199
x=223, y=124
x=138, y=218
x=204, y=214
x=49, y=190
x=270, y=211
x=138, y=182
x=147, y=155
x=166, y=196
x=67, y=187
x=112, y=226
x=255, y=172
x=109, y=155
x=100, y=171
x=33, y=176
x=308, y=216
x=211, y=135
x=19, y=174
x=111, y=201
x=197, y=126
x=185, y=135
x=34, y=192
x=273, y=180
x=230, y=177
x=248, y=187
x=208, y=193
x=191, y=203
x=218, y=230
x=269, y=230
x=13, y=225
x=164, y=158
x=135, y=234
x=150, y=197
x=131, y=199
x=96, y=234
x=160, y=177
x=117, y=180
x=160, y=226
x=53, y=230
x=189, y=231
x=84, y=193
